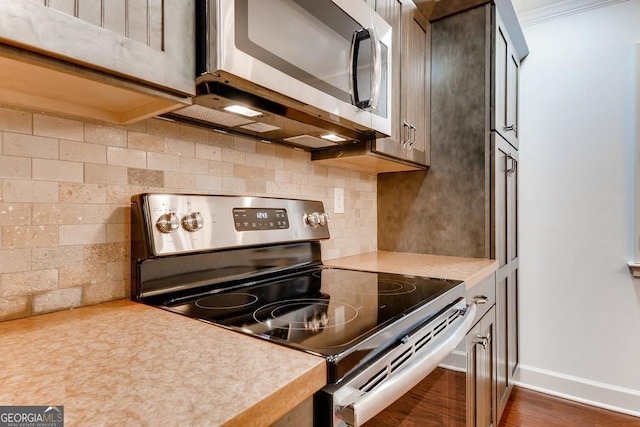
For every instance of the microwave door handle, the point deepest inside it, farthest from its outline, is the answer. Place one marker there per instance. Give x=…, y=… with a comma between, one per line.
x=376, y=70
x=353, y=69
x=376, y=81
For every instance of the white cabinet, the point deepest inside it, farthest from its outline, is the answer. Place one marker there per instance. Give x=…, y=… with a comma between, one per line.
x=116, y=60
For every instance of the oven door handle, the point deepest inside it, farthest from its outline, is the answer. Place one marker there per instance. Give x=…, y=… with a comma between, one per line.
x=373, y=402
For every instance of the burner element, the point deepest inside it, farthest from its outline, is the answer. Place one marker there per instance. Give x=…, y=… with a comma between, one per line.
x=305, y=314
x=226, y=301
x=386, y=286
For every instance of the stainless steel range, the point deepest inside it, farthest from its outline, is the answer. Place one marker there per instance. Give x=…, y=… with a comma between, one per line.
x=253, y=265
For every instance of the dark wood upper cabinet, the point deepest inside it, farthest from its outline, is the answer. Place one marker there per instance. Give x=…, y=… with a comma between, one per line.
x=119, y=63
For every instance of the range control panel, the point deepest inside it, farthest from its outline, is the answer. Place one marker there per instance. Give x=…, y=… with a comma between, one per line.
x=181, y=223
x=247, y=219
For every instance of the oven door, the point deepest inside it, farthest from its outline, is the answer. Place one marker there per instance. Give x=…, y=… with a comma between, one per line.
x=378, y=392
x=457, y=393
x=334, y=55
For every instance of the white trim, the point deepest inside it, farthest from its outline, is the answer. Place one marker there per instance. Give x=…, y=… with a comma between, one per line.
x=560, y=9
x=455, y=361
x=581, y=390
x=635, y=266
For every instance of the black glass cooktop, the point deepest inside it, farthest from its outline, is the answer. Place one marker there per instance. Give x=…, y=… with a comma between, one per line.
x=325, y=311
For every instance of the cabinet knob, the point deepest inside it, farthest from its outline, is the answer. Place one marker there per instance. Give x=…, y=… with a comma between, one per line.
x=511, y=128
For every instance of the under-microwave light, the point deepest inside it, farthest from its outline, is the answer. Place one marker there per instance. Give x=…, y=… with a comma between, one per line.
x=333, y=138
x=239, y=109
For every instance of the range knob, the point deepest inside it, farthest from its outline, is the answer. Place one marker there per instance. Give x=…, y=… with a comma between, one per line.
x=315, y=219
x=168, y=223
x=193, y=221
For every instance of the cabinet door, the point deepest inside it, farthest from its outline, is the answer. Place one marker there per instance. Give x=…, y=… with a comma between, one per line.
x=506, y=68
x=502, y=385
x=409, y=138
x=415, y=80
x=514, y=263
x=512, y=325
x=506, y=333
x=151, y=41
x=512, y=124
x=500, y=79
x=512, y=204
x=500, y=202
x=505, y=202
x=480, y=372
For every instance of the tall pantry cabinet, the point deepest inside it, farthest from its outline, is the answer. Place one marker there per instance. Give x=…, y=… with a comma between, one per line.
x=466, y=203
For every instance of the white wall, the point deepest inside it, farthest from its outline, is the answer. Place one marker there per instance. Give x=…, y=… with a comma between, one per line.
x=579, y=306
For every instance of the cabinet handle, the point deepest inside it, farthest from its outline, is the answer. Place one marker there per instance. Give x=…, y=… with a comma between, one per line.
x=514, y=165
x=483, y=340
x=414, y=136
x=406, y=134
x=511, y=128
x=480, y=299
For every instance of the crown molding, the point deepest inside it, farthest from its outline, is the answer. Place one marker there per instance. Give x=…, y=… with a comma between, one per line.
x=561, y=9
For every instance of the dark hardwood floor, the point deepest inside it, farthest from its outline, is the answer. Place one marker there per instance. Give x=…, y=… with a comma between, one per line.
x=528, y=408
x=439, y=401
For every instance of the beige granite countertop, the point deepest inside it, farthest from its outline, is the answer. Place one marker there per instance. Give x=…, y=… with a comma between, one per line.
x=124, y=363
x=471, y=270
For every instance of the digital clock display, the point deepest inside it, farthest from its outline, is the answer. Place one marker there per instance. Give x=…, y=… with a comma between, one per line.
x=249, y=219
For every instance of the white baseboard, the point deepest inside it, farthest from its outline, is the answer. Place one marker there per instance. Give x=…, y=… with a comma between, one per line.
x=455, y=361
x=592, y=393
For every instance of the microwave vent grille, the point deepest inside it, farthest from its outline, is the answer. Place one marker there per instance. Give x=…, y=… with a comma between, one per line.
x=309, y=141
x=210, y=115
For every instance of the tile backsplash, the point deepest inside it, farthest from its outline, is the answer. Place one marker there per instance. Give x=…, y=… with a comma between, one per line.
x=65, y=189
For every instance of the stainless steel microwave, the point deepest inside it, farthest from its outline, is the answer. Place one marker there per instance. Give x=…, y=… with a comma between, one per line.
x=311, y=73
